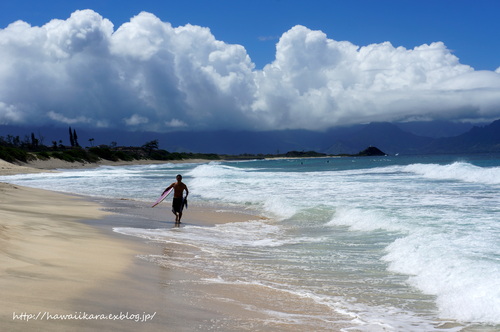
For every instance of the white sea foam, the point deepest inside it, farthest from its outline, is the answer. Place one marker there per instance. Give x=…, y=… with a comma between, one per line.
x=454, y=269
x=138, y=182
x=248, y=234
x=226, y=183
x=365, y=220
x=443, y=253
x=457, y=171
x=353, y=316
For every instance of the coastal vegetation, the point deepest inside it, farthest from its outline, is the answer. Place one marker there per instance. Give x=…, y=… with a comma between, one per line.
x=27, y=153
x=30, y=148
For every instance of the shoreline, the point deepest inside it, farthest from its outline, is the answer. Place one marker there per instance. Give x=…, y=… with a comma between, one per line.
x=128, y=280
x=60, y=256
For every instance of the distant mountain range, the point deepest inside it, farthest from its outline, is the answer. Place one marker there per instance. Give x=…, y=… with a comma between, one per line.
x=392, y=138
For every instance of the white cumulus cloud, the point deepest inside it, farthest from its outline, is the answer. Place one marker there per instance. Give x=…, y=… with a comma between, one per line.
x=153, y=76
x=135, y=120
x=58, y=117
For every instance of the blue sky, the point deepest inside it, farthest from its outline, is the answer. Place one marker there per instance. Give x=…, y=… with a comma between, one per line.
x=470, y=28
x=301, y=64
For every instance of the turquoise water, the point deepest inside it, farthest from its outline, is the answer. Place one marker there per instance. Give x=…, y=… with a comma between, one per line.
x=391, y=243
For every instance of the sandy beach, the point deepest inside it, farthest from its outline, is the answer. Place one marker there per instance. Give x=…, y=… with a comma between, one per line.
x=50, y=261
x=51, y=265
x=47, y=258
x=63, y=268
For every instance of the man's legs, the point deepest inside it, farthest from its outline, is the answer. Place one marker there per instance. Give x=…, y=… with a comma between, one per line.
x=177, y=209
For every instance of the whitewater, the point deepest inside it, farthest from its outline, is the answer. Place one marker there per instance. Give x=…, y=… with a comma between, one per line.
x=395, y=243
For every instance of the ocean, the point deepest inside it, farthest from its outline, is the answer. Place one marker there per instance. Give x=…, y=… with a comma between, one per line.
x=394, y=243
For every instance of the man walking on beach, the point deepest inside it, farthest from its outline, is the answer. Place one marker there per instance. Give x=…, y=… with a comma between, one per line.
x=178, y=202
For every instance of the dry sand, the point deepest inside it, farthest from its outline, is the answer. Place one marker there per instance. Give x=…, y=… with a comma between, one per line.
x=47, y=258
x=11, y=169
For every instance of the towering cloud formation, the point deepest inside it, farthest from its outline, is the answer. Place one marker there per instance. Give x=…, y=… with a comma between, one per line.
x=149, y=75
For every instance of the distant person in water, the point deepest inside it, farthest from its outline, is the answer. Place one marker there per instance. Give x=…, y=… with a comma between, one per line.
x=179, y=201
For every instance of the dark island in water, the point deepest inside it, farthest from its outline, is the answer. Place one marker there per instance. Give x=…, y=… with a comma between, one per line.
x=371, y=151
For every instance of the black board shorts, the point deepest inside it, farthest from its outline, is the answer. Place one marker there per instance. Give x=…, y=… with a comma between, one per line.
x=177, y=205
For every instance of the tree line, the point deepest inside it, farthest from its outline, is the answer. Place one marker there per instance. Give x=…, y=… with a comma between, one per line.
x=13, y=148
x=31, y=142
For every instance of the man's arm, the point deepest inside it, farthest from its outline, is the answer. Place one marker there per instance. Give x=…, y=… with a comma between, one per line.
x=164, y=191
